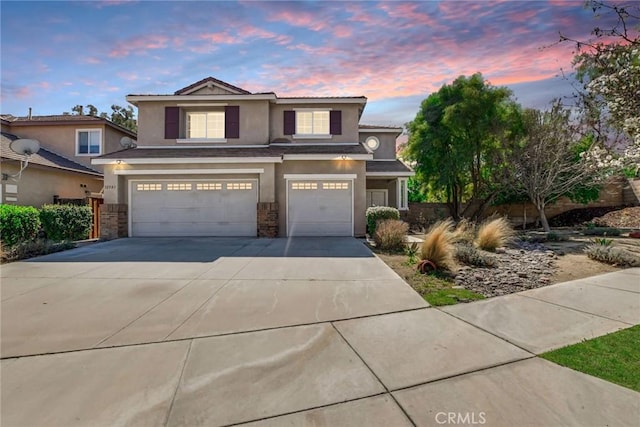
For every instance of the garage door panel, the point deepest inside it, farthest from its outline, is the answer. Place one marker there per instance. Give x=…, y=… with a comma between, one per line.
x=194, y=208
x=320, y=208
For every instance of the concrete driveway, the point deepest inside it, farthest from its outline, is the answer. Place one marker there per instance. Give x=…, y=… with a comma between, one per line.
x=286, y=332
x=133, y=291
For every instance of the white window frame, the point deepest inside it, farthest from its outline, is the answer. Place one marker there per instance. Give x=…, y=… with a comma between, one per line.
x=89, y=154
x=189, y=139
x=402, y=194
x=383, y=190
x=313, y=134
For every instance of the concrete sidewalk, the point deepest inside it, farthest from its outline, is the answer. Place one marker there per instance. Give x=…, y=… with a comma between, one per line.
x=382, y=363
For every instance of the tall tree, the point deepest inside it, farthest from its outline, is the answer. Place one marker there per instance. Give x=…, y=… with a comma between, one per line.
x=608, y=67
x=120, y=116
x=547, y=165
x=460, y=141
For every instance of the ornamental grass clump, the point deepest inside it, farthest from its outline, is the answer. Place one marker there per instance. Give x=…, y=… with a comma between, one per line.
x=390, y=235
x=465, y=232
x=469, y=255
x=493, y=234
x=437, y=247
x=612, y=255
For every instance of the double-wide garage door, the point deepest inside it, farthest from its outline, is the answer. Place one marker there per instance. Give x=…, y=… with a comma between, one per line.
x=320, y=207
x=193, y=208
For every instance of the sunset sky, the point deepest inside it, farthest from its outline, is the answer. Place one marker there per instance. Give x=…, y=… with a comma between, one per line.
x=59, y=54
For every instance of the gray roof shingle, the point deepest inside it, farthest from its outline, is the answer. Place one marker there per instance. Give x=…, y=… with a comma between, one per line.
x=387, y=166
x=43, y=157
x=273, y=150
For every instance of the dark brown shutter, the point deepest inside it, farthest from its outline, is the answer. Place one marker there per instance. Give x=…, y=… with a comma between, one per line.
x=171, y=122
x=289, y=122
x=335, y=122
x=232, y=121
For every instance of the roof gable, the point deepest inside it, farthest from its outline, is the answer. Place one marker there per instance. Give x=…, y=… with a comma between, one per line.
x=212, y=86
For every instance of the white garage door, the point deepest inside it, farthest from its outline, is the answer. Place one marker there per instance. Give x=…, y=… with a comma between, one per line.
x=320, y=208
x=194, y=208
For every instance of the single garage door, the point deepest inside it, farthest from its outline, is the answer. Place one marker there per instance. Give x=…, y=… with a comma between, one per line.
x=320, y=208
x=194, y=208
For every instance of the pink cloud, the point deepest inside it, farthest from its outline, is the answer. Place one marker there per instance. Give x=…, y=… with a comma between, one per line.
x=221, y=37
x=139, y=44
x=298, y=19
x=342, y=31
x=92, y=60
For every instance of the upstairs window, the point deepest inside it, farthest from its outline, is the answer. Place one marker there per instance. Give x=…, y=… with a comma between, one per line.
x=202, y=126
x=88, y=142
x=209, y=125
x=312, y=123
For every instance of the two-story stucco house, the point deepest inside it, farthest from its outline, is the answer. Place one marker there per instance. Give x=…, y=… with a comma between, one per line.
x=62, y=168
x=216, y=160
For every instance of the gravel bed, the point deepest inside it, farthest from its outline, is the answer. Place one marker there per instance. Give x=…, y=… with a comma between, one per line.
x=520, y=267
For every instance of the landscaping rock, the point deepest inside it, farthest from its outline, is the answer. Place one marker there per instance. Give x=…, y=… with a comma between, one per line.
x=525, y=265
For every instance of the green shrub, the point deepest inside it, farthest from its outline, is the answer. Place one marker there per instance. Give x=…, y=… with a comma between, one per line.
x=602, y=241
x=469, y=255
x=412, y=252
x=612, y=255
x=66, y=222
x=494, y=233
x=602, y=231
x=378, y=213
x=390, y=234
x=18, y=224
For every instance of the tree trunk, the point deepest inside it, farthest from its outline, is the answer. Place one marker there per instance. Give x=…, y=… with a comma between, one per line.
x=543, y=218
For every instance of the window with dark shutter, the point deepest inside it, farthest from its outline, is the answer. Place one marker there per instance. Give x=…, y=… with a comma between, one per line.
x=232, y=121
x=171, y=122
x=335, y=122
x=289, y=122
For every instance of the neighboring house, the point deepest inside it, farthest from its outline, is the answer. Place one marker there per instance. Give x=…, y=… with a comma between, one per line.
x=62, y=168
x=47, y=176
x=78, y=138
x=216, y=160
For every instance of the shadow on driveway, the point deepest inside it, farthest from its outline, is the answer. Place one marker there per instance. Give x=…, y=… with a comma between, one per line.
x=209, y=249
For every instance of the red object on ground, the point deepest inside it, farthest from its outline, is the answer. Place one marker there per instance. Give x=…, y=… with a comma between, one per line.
x=635, y=234
x=426, y=266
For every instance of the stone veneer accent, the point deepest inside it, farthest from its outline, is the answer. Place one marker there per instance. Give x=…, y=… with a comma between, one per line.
x=113, y=221
x=267, y=219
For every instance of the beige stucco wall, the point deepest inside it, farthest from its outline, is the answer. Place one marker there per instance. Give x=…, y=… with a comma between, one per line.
x=350, y=118
x=38, y=185
x=116, y=187
x=254, y=122
x=356, y=167
x=61, y=139
x=391, y=185
x=387, y=148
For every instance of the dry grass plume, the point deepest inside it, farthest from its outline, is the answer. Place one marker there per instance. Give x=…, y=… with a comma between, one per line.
x=494, y=233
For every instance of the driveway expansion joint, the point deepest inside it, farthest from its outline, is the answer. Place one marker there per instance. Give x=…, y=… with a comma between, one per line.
x=578, y=310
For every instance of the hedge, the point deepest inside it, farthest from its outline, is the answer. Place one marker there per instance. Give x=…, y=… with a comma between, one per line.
x=66, y=222
x=18, y=224
x=379, y=213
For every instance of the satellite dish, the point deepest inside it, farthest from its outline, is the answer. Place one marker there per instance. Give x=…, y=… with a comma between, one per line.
x=25, y=147
x=127, y=142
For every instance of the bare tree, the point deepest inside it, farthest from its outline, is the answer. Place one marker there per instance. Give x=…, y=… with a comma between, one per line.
x=547, y=165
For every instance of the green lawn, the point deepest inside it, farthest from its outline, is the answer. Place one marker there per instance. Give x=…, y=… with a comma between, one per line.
x=614, y=357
